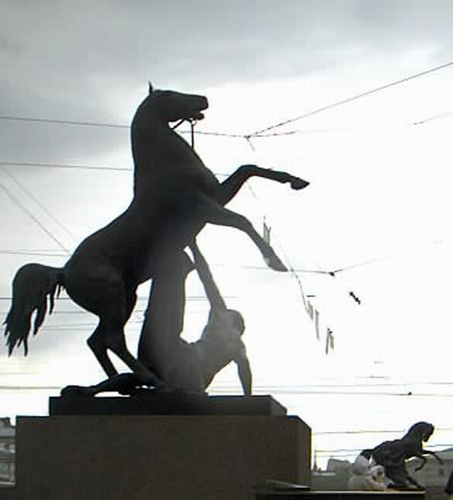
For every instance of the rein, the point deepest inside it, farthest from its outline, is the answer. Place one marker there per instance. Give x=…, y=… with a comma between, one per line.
x=192, y=122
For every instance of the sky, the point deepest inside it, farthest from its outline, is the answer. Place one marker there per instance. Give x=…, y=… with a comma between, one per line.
x=378, y=205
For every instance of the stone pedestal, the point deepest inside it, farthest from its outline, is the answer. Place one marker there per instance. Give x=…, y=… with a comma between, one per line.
x=157, y=457
x=342, y=495
x=167, y=404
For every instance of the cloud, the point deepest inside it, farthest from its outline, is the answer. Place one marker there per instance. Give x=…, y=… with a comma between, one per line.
x=91, y=60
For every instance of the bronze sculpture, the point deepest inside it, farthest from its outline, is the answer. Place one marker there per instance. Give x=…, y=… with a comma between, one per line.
x=175, y=195
x=392, y=455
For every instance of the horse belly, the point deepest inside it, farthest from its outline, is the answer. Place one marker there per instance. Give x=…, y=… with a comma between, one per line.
x=180, y=228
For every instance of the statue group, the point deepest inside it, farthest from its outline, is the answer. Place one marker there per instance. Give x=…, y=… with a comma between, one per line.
x=392, y=456
x=175, y=196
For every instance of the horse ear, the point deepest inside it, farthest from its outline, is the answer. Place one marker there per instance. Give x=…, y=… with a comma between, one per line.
x=150, y=87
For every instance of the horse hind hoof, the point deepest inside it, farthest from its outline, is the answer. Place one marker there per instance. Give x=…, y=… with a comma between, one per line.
x=76, y=391
x=276, y=264
x=298, y=184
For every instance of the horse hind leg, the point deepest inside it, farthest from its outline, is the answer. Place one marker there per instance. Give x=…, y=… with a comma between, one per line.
x=99, y=349
x=398, y=476
x=96, y=342
x=114, y=340
x=214, y=213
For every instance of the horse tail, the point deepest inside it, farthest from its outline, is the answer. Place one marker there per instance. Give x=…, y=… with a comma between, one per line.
x=34, y=286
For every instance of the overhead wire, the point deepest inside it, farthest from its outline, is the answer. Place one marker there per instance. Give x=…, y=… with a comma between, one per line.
x=349, y=451
x=33, y=217
x=259, y=133
x=256, y=133
x=350, y=99
x=48, y=253
x=32, y=253
x=77, y=167
x=63, y=166
x=38, y=202
x=55, y=121
x=193, y=297
x=62, y=122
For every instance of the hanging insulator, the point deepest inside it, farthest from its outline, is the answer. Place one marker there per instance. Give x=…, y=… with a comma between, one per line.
x=354, y=296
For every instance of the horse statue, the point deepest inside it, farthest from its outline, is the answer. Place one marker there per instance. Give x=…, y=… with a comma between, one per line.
x=392, y=455
x=183, y=367
x=175, y=196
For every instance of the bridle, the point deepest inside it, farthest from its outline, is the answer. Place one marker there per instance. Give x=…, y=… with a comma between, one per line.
x=192, y=122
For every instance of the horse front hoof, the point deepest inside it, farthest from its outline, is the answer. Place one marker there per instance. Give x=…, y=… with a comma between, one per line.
x=298, y=184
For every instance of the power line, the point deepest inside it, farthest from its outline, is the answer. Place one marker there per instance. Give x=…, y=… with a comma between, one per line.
x=351, y=450
x=60, y=165
x=409, y=394
x=77, y=167
x=237, y=266
x=32, y=253
x=36, y=220
x=350, y=99
x=61, y=122
x=130, y=169
x=373, y=394
x=271, y=388
x=192, y=297
x=139, y=311
x=38, y=202
x=431, y=118
x=374, y=431
x=29, y=387
x=257, y=133
x=103, y=124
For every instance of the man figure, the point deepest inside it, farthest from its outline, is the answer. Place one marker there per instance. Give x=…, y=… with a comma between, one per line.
x=182, y=366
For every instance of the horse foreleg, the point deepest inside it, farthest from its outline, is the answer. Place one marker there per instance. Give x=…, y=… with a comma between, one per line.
x=434, y=454
x=230, y=186
x=423, y=459
x=411, y=480
x=214, y=213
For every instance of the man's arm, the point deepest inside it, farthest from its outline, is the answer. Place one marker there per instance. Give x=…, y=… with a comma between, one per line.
x=244, y=372
x=212, y=292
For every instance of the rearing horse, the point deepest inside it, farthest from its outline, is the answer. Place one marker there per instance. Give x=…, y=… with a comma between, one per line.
x=392, y=455
x=175, y=195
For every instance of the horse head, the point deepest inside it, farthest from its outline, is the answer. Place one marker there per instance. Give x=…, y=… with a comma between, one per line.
x=421, y=431
x=170, y=106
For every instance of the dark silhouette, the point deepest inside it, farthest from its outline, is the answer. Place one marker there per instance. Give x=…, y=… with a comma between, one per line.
x=393, y=454
x=175, y=195
x=182, y=366
x=449, y=486
x=354, y=296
